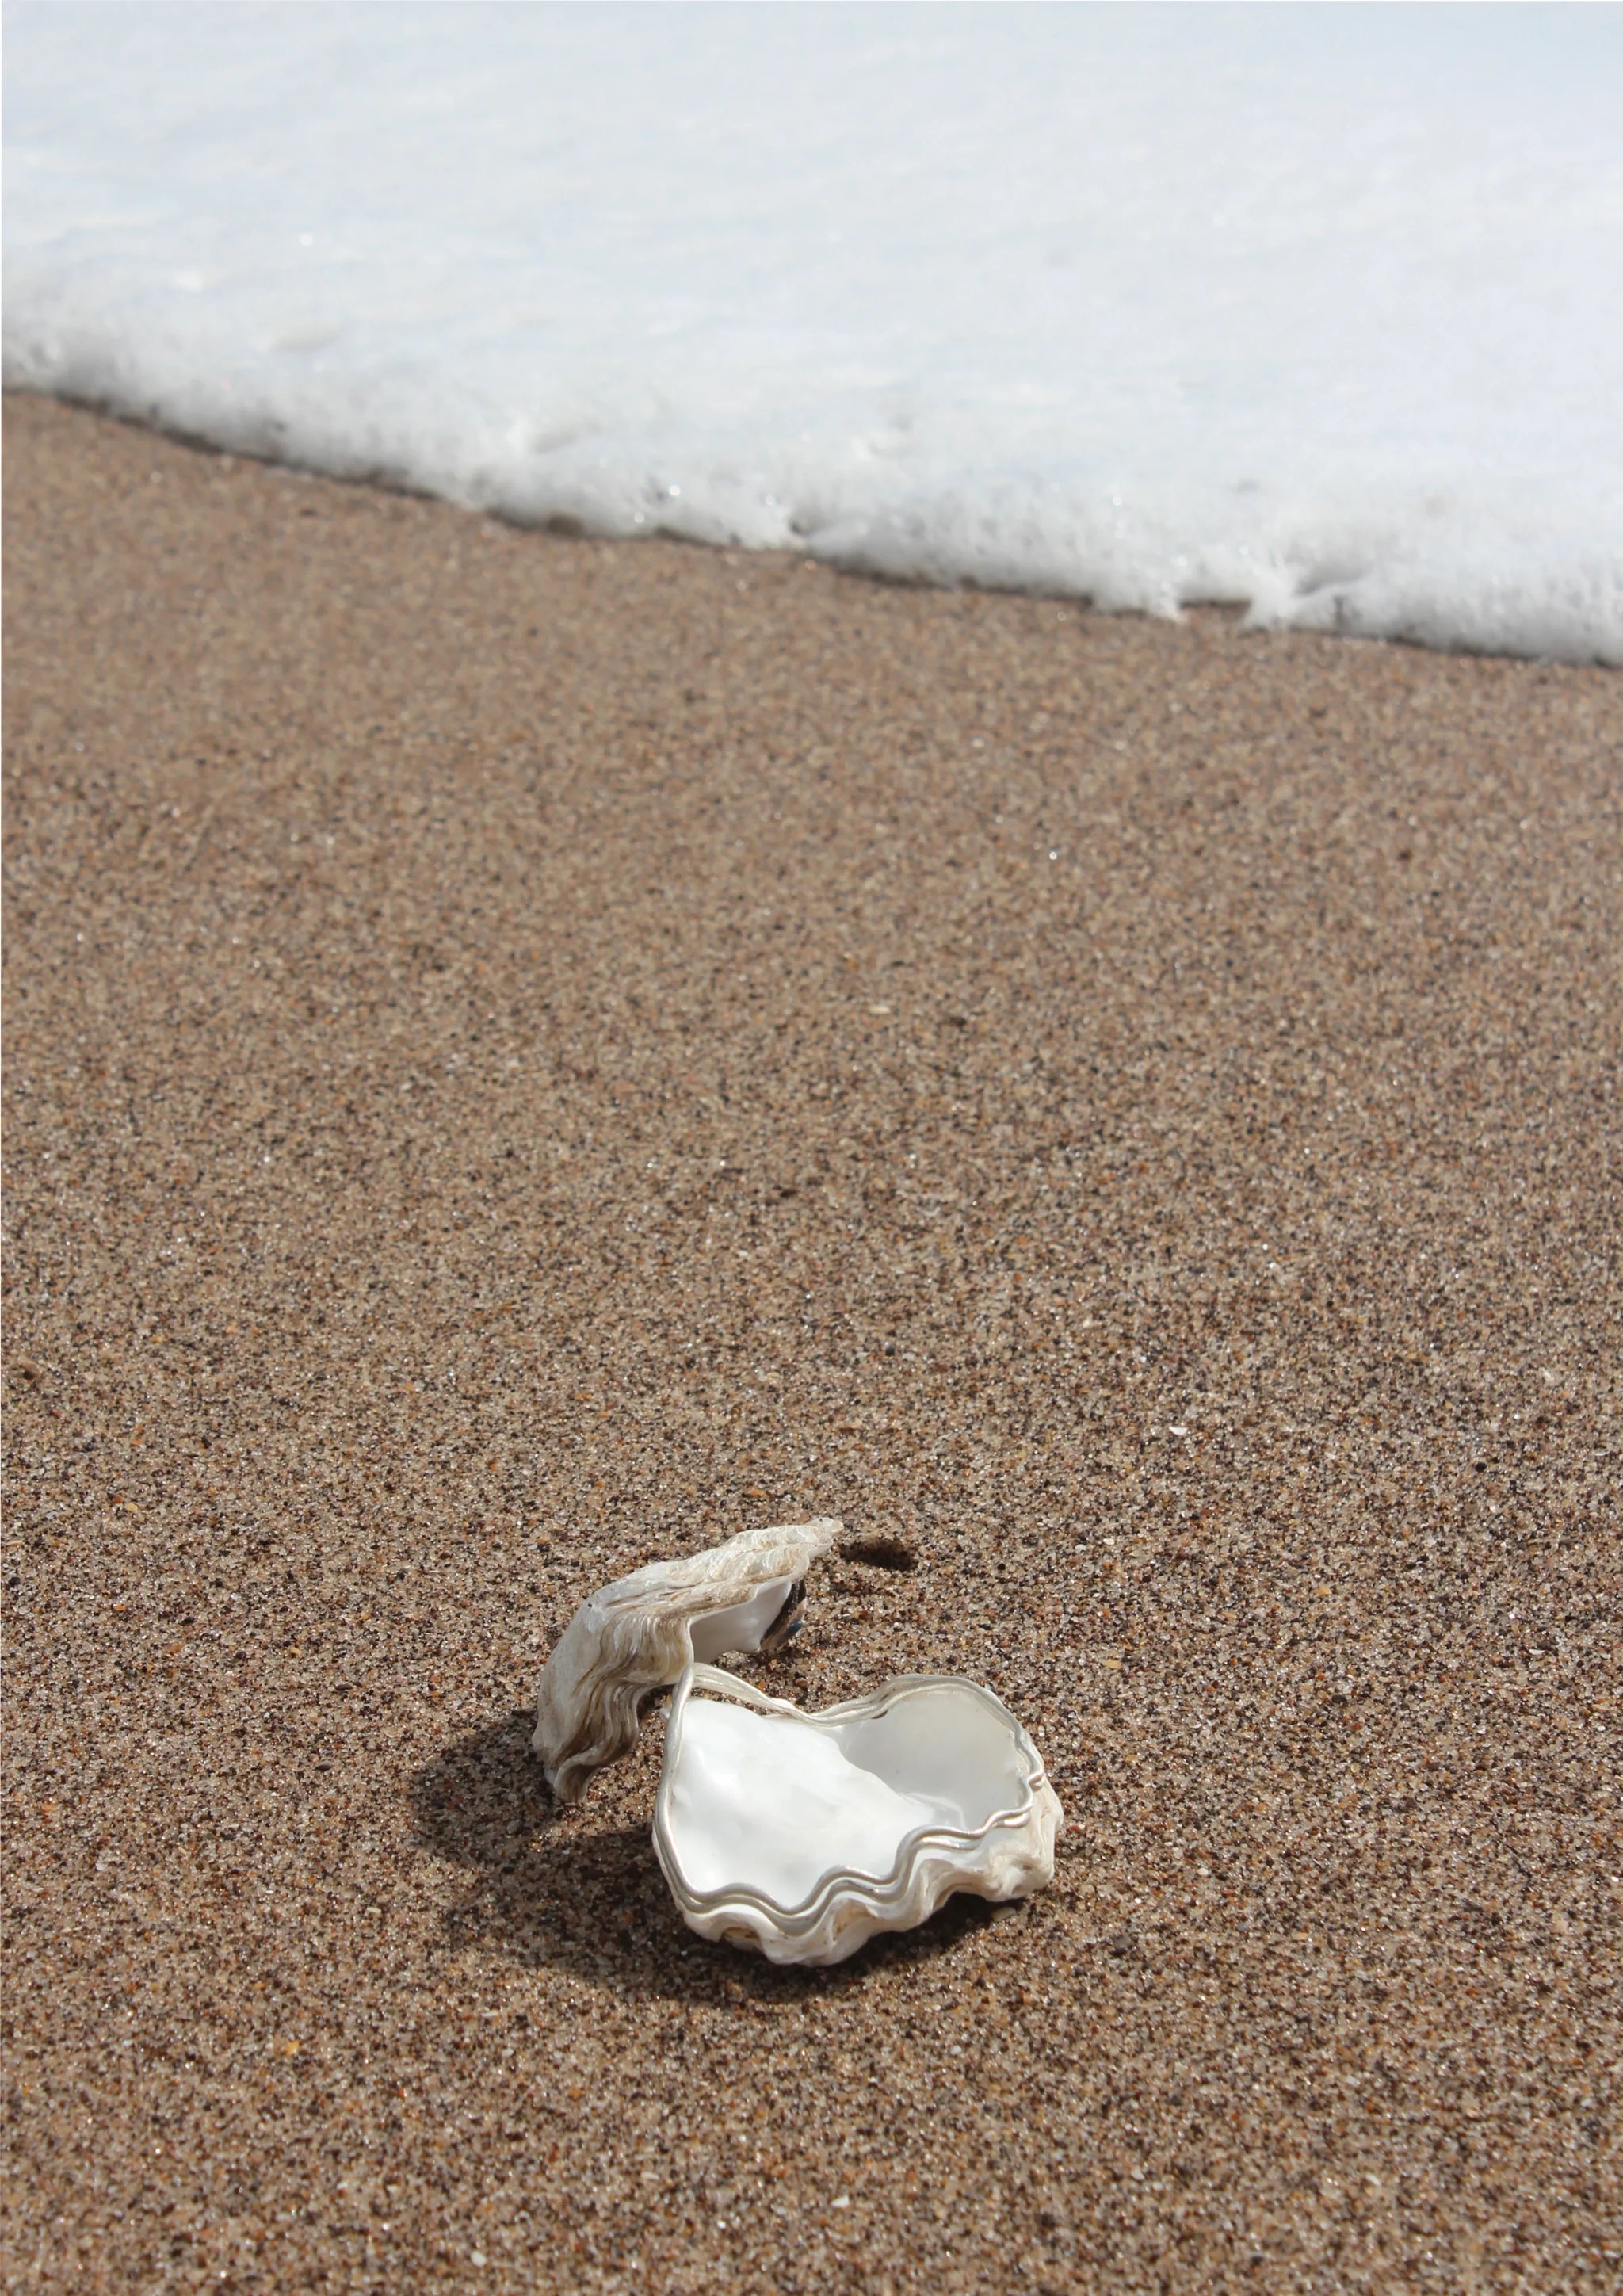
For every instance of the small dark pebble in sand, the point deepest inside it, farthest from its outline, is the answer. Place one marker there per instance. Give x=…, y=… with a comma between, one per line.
x=880, y=1553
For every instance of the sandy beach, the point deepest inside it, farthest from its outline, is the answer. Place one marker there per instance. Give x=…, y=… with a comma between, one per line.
x=526, y=1054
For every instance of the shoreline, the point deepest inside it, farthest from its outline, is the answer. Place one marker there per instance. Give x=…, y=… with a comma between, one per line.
x=562, y=525
x=527, y=1055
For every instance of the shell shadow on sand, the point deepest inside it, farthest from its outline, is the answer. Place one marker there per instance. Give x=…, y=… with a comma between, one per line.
x=546, y=1890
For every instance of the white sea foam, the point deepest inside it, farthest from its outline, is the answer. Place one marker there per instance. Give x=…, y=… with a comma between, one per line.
x=1312, y=309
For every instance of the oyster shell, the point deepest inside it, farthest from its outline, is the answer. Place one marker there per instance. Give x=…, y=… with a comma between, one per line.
x=636, y=1636
x=802, y=1834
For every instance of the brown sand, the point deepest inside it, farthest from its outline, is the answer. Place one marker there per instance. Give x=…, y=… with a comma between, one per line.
x=528, y=1054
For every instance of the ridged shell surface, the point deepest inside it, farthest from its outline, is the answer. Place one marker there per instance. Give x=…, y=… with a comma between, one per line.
x=803, y=1835
x=639, y=1633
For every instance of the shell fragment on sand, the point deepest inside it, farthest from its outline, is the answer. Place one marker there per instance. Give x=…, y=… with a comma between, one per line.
x=638, y=1635
x=799, y=1835
x=803, y=1835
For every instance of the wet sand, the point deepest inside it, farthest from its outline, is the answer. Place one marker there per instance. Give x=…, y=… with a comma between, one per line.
x=527, y=1054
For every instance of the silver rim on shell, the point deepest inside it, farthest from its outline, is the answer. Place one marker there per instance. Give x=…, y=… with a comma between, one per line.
x=1008, y=1853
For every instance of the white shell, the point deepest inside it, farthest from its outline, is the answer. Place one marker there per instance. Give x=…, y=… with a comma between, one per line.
x=637, y=1635
x=804, y=1834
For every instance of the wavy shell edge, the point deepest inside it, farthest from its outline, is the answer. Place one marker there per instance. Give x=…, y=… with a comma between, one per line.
x=1011, y=1856
x=634, y=1636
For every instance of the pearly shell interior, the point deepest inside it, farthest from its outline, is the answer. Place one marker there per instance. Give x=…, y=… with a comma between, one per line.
x=746, y=1626
x=801, y=1835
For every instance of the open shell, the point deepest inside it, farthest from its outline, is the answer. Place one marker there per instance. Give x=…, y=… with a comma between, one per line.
x=802, y=1834
x=637, y=1636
